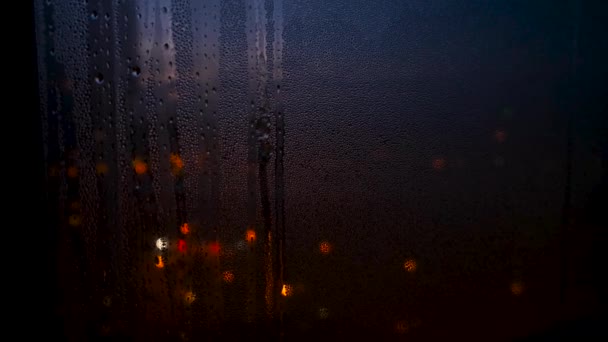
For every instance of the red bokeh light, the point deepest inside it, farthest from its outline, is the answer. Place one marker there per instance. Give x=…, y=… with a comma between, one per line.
x=181, y=246
x=214, y=248
x=439, y=164
x=500, y=136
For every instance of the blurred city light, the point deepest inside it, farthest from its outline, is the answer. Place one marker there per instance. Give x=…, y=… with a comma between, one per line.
x=410, y=265
x=162, y=243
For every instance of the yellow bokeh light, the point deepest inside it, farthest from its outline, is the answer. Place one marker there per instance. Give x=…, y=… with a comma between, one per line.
x=250, y=235
x=74, y=220
x=286, y=291
x=325, y=247
x=140, y=166
x=159, y=262
x=517, y=288
x=228, y=276
x=410, y=265
x=189, y=297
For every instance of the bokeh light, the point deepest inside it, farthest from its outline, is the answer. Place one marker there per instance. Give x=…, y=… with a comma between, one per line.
x=72, y=172
x=214, y=248
x=228, y=276
x=323, y=313
x=74, y=220
x=286, y=291
x=410, y=265
x=325, y=247
x=439, y=163
x=140, y=166
x=159, y=262
x=401, y=327
x=107, y=301
x=182, y=246
x=517, y=288
x=176, y=163
x=189, y=297
x=162, y=243
x=250, y=235
x=185, y=229
x=101, y=168
x=500, y=136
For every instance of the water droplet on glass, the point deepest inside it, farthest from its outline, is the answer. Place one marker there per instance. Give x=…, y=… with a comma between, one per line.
x=99, y=78
x=94, y=15
x=135, y=71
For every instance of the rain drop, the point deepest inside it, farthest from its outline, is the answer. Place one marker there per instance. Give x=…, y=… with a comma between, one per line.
x=135, y=71
x=99, y=78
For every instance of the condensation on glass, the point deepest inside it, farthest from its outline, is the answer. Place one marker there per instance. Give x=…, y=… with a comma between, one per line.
x=162, y=183
x=312, y=169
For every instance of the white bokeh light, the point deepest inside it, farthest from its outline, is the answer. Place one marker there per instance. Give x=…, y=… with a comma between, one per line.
x=161, y=243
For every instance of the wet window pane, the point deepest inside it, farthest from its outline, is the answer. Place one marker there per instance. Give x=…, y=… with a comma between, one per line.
x=312, y=170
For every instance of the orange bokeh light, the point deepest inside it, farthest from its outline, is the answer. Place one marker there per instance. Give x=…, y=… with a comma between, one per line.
x=101, y=168
x=177, y=164
x=250, y=235
x=72, y=172
x=189, y=297
x=410, y=265
x=286, y=291
x=185, y=229
x=325, y=247
x=228, y=276
x=439, y=164
x=517, y=288
x=402, y=327
x=159, y=262
x=140, y=166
